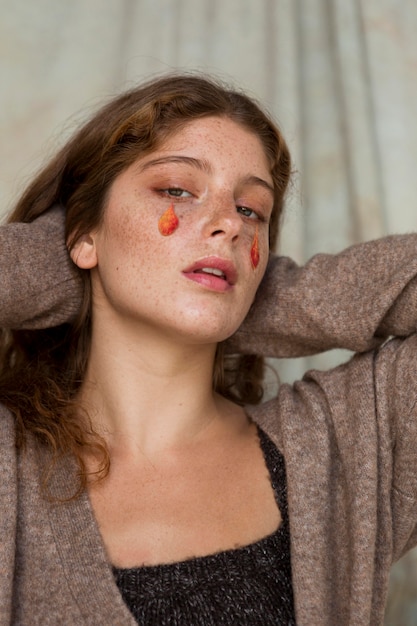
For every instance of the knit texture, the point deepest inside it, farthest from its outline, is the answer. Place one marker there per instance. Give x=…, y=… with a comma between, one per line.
x=40, y=285
x=249, y=586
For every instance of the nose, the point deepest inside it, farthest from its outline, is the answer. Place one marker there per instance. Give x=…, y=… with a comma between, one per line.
x=223, y=220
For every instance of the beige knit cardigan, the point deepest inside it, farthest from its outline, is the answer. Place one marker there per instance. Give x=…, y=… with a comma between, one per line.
x=349, y=436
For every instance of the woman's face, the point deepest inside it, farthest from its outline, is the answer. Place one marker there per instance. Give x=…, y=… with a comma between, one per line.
x=198, y=282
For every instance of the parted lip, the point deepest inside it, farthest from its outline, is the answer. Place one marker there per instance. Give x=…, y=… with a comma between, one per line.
x=214, y=262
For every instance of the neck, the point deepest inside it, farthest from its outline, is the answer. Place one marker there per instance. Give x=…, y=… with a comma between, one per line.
x=144, y=391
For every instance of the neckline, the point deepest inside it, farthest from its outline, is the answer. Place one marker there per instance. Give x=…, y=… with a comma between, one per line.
x=274, y=462
x=81, y=548
x=249, y=551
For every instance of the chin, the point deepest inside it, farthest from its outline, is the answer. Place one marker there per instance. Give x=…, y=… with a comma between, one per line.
x=215, y=322
x=201, y=332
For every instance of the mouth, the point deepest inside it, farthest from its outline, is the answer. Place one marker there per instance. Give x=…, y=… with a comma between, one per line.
x=213, y=272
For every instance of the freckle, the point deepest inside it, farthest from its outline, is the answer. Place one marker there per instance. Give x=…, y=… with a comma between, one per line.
x=168, y=222
x=254, y=251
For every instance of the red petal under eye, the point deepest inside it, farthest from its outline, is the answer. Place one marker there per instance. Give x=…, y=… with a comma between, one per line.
x=168, y=222
x=254, y=251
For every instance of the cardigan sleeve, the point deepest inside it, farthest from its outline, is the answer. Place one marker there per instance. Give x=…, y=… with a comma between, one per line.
x=39, y=284
x=396, y=388
x=353, y=300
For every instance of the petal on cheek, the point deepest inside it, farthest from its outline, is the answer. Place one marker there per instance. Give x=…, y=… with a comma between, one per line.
x=168, y=222
x=254, y=251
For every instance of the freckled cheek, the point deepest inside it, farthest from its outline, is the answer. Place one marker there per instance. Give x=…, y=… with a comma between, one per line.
x=130, y=233
x=139, y=249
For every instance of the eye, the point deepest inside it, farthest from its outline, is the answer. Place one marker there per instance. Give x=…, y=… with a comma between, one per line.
x=243, y=210
x=176, y=192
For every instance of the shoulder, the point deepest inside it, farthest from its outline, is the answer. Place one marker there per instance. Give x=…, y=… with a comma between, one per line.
x=364, y=408
x=355, y=428
x=371, y=388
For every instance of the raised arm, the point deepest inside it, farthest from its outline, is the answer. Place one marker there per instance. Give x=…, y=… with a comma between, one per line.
x=353, y=300
x=39, y=286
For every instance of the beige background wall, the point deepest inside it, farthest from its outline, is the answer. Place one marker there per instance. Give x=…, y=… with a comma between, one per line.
x=340, y=76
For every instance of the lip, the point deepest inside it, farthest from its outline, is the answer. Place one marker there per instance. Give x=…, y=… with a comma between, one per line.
x=211, y=281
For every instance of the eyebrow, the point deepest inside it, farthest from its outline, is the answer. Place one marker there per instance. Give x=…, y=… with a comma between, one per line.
x=255, y=180
x=200, y=164
x=204, y=166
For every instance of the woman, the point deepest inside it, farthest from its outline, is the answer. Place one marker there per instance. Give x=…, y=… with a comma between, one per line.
x=140, y=486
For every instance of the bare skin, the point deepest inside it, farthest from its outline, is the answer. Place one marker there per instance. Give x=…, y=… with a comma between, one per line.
x=198, y=498
x=187, y=474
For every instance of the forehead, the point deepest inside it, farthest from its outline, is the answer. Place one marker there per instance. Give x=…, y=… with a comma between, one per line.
x=219, y=138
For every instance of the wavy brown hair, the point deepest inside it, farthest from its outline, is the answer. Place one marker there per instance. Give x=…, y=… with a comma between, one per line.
x=41, y=371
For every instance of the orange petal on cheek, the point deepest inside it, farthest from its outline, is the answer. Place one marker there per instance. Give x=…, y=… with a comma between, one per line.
x=168, y=222
x=254, y=251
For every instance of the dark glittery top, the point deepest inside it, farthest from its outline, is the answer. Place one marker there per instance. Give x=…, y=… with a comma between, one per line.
x=243, y=586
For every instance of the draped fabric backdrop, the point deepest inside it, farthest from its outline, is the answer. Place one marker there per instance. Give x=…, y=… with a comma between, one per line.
x=339, y=76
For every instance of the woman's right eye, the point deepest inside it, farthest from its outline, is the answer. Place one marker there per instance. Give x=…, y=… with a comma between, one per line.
x=177, y=192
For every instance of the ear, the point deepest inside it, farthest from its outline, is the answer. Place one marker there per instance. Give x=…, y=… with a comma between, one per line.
x=84, y=253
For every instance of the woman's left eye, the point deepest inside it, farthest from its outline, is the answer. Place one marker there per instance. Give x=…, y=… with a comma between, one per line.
x=243, y=210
